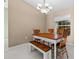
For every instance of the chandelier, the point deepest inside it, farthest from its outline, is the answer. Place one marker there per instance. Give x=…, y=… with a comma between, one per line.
x=44, y=8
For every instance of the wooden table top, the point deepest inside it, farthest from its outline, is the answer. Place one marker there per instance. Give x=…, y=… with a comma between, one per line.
x=47, y=35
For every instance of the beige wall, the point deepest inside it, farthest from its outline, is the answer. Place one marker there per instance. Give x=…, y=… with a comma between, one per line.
x=49, y=19
x=53, y=14
x=22, y=19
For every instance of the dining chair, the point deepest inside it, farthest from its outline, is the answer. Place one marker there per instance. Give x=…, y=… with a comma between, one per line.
x=50, y=30
x=61, y=46
x=36, y=31
x=60, y=31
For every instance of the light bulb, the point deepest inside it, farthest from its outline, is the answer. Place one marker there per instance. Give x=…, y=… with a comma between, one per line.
x=46, y=4
x=38, y=8
x=40, y=5
x=50, y=7
x=44, y=11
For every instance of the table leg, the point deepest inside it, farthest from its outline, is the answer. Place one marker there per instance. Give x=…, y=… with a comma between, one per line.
x=50, y=54
x=54, y=50
x=45, y=56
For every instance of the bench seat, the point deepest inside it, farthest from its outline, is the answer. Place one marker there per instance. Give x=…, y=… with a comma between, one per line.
x=41, y=46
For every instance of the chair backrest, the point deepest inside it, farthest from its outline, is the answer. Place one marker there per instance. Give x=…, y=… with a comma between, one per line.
x=61, y=31
x=50, y=30
x=36, y=31
x=64, y=33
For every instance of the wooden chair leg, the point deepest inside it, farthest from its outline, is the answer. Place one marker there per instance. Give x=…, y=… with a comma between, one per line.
x=61, y=56
x=62, y=53
x=67, y=54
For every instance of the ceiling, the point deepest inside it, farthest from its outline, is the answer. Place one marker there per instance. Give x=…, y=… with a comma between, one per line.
x=56, y=4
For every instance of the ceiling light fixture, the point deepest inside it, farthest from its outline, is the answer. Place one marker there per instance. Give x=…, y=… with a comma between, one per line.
x=44, y=8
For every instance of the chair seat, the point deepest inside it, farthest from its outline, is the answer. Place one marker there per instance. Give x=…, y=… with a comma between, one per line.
x=61, y=45
x=40, y=46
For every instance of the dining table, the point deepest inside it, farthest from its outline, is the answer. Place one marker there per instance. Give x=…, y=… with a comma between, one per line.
x=49, y=37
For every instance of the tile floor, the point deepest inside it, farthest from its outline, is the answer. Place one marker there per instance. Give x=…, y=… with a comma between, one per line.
x=23, y=52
